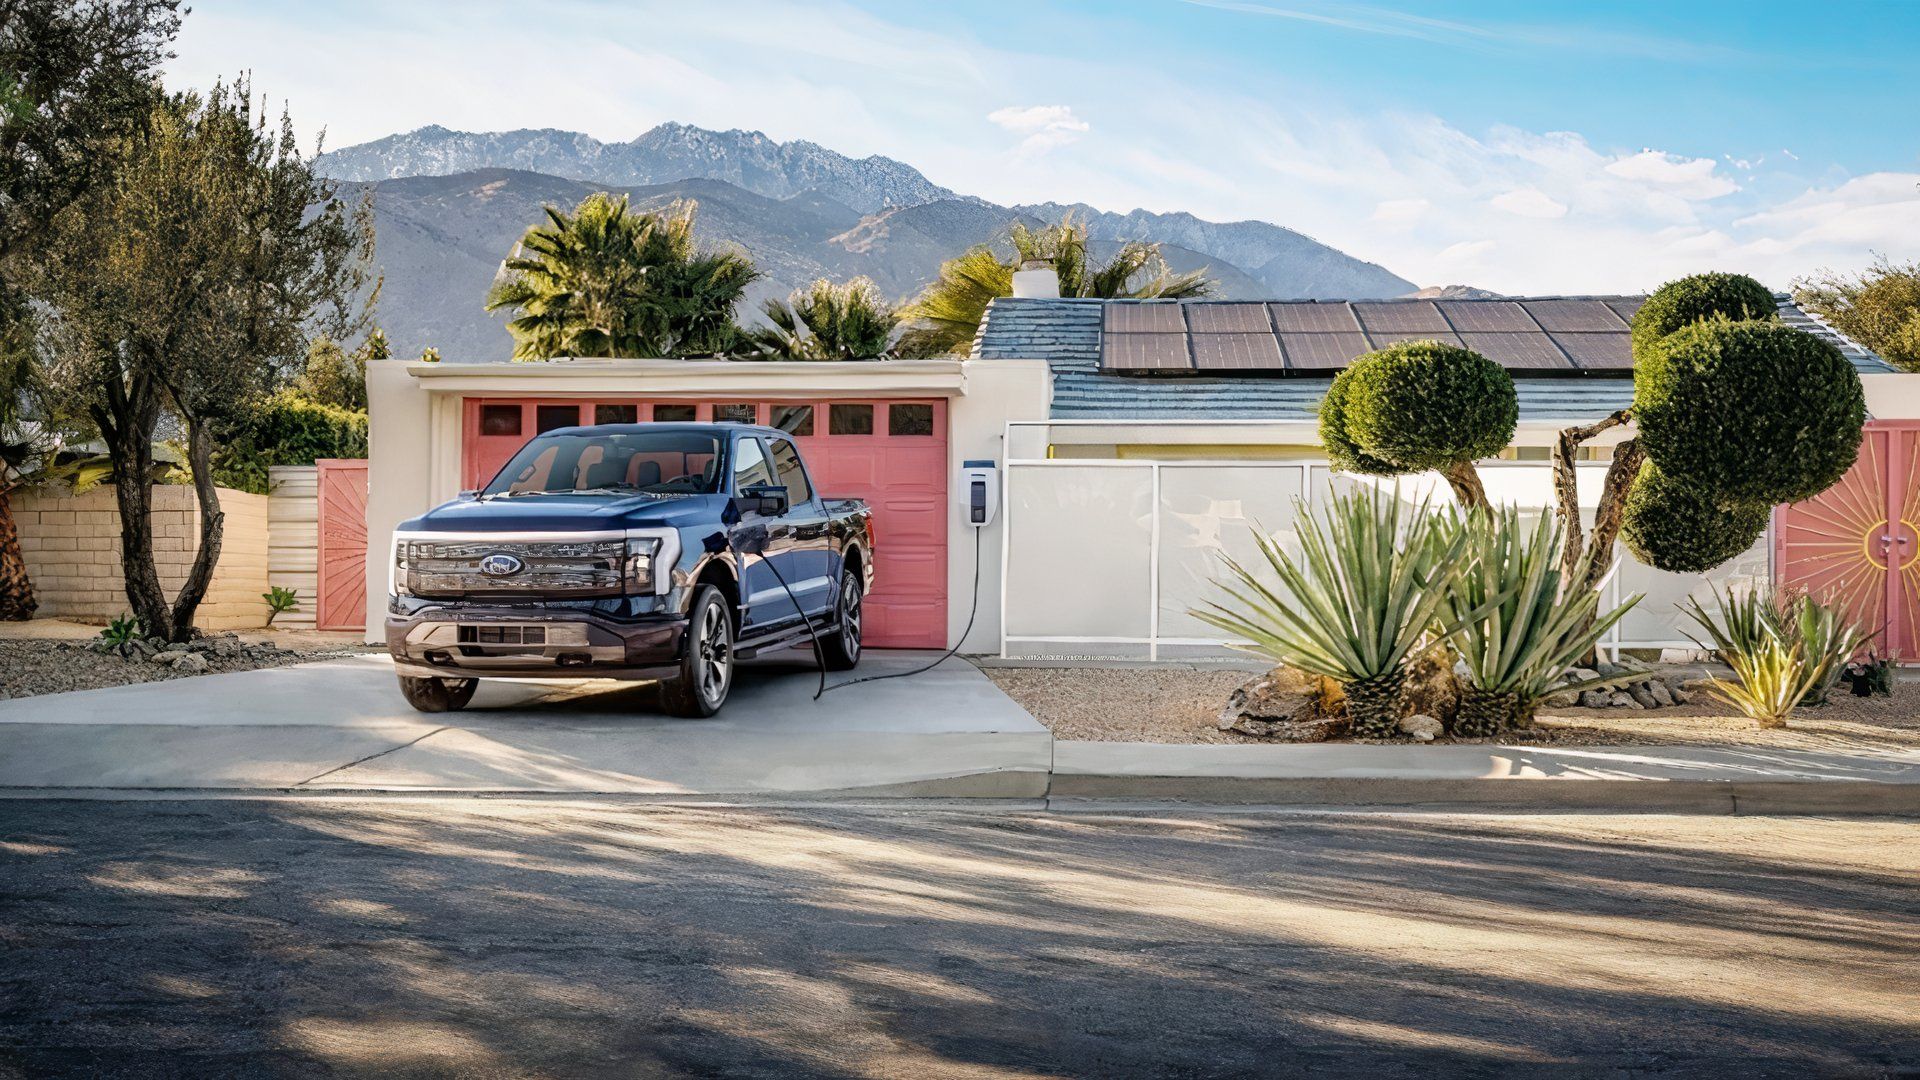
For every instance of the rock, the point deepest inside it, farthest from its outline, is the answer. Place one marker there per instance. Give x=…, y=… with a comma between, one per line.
x=1642, y=696
x=1662, y=697
x=1565, y=699
x=190, y=662
x=1680, y=697
x=1606, y=668
x=1316, y=729
x=140, y=648
x=1595, y=699
x=1581, y=674
x=167, y=657
x=1620, y=699
x=1284, y=705
x=1433, y=685
x=1421, y=727
x=176, y=646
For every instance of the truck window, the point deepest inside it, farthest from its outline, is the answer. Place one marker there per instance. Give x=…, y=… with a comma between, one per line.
x=750, y=466
x=648, y=462
x=787, y=461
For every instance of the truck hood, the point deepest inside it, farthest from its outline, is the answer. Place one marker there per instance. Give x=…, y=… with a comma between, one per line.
x=563, y=512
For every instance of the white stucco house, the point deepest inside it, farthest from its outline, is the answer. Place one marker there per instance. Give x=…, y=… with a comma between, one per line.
x=1131, y=442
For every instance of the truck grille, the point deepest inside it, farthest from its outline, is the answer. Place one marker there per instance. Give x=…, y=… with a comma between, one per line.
x=519, y=568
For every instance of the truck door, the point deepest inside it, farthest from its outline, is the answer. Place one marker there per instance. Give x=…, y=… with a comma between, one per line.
x=763, y=600
x=814, y=562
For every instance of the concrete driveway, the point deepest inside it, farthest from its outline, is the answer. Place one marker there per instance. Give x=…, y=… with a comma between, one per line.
x=341, y=725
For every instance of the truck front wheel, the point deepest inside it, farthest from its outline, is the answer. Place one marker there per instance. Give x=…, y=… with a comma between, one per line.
x=706, y=664
x=437, y=695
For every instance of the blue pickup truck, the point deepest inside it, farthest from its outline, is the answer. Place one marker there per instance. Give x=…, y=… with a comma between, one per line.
x=630, y=551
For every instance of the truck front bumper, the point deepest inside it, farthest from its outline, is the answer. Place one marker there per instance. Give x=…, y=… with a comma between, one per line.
x=513, y=643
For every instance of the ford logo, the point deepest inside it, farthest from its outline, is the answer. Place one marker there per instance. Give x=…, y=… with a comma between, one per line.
x=498, y=565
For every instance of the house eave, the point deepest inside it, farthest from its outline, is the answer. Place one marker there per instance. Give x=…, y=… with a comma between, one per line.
x=698, y=378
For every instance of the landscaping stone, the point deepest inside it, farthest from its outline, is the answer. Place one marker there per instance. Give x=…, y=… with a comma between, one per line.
x=1620, y=699
x=1662, y=696
x=1283, y=705
x=1565, y=699
x=1595, y=699
x=1680, y=696
x=191, y=663
x=1642, y=696
x=1421, y=727
x=164, y=657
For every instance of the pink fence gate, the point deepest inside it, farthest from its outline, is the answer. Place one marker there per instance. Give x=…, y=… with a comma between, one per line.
x=342, y=541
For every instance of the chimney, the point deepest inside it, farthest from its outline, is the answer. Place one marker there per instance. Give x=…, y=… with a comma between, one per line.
x=1036, y=280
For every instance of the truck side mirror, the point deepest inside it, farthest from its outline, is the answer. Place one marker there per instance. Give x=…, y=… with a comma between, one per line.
x=769, y=500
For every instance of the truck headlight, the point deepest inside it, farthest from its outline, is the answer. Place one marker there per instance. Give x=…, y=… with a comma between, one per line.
x=397, y=573
x=642, y=565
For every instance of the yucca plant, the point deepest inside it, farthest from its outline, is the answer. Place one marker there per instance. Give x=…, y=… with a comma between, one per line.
x=1785, y=651
x=1520, y=627
x=1366, y=587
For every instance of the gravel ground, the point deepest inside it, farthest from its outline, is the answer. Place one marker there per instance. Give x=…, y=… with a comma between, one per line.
x=33, y=666
x=1182, y=705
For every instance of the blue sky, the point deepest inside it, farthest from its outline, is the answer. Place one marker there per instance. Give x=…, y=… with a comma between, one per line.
x=1521, y=147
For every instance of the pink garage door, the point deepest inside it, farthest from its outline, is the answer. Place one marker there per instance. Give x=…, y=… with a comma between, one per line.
x=342, y=554
x=1858, y=542
x=893, y=454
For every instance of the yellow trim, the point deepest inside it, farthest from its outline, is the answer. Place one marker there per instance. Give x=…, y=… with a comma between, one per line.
x=1219, y=452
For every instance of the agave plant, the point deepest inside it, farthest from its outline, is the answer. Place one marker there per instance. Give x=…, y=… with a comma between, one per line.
x=1366, y=587
x=1785, y=651
x=1520, y=627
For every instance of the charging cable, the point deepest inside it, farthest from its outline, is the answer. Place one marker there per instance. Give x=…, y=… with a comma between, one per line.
x=820, y=659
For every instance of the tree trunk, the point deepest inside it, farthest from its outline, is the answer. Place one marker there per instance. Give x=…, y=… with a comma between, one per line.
x=17, y=602
x=126, y=424
x=212, y=530
x=1467, y=487
x=1584, y=562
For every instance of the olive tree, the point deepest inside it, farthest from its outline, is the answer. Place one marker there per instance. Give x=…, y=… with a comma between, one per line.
x=1420, y=406
x=189, y=281
x=1734, y=412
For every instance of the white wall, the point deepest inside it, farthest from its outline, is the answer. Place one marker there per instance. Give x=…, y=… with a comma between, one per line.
x=997, y=391
x=400, y=472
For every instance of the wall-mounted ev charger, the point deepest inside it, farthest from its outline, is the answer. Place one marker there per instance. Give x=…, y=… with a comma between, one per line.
x=980, y=492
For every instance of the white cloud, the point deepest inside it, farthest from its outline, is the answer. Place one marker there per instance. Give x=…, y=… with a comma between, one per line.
x=1530, y=203
x=1401, y=209
x=1045, y=126
x=1686, y=178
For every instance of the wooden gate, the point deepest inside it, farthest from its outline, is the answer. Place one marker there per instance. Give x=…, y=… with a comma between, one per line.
x=342, y=603
x=1858, y=542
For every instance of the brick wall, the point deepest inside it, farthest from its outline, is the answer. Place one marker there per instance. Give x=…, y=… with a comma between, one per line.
x=72, y=548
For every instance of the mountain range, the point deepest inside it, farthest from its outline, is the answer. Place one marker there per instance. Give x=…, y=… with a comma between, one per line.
x=449, y=205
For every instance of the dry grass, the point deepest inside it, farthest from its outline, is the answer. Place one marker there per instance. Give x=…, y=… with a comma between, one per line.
x=1182, y=705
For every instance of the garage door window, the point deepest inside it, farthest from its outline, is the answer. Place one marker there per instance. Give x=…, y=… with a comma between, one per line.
x=793, y=419
x=849, y=419
x=733, y=414
x=910, y=420
x=673, y=414
x=548, y=417
x=499, y=419
x=615, y=414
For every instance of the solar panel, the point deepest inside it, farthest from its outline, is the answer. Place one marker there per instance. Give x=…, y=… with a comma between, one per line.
x=1321, y=352
x=1598, y=352
x=1625, y=306
x=1228, y=319
x=1151, y=318
x=1236, y=352
x=1530, y=352
x=1488, y=316
x=1382, y=340
x=1574, y=316
x=1145, y=352
x=1308, y=317
x=1403, y=317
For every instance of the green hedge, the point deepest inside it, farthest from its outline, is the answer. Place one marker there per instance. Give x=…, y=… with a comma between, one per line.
x=287, y=430
x=1692, y=299
x=1753, y=412
x=1416, y=406
x=1679, y=528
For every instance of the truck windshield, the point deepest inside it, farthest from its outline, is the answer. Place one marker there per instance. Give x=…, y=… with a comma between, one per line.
x=651, y=462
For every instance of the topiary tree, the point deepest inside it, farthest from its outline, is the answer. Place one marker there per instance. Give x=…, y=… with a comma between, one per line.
x=1736, y=412
x=1419, y=406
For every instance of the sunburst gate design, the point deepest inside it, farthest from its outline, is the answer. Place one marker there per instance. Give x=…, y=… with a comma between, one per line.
x=1858, y=544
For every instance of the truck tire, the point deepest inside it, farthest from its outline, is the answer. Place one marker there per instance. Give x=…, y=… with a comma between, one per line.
x=840, y=650
x=706, y=663
x=438, y=695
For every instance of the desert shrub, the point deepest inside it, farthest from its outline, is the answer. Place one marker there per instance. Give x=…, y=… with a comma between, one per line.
x=1671, y=525
x=1419, y=405
x=1753, y=412
x=1689, y=300
x=286, y=429
x=1785, y=651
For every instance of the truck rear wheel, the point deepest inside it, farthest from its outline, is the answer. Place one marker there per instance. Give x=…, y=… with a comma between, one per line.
x=706, y=663
x=840, y=650
x=437, y=695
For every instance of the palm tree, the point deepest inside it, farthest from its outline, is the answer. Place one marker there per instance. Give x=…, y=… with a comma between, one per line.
x=825, y=321
x=609, y=281
x=947, y=314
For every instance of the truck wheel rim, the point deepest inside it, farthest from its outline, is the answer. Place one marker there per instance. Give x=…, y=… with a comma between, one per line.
x=850, y=617
x=716, y=653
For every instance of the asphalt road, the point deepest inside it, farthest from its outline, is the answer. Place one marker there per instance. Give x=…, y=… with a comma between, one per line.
x=481, y=938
